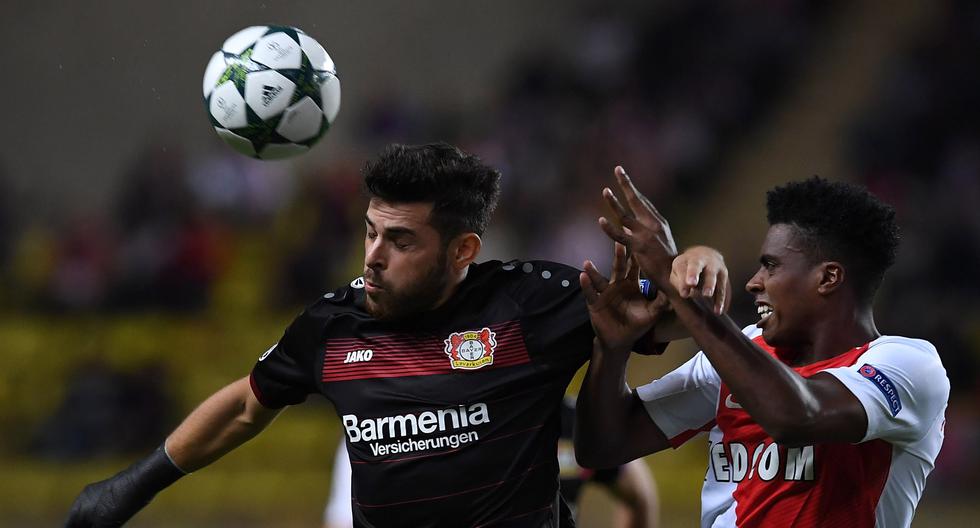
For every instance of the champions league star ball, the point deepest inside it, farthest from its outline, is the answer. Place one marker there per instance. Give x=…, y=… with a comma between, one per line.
x=271, y=91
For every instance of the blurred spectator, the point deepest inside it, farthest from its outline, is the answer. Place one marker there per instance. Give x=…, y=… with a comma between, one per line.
x=6, y=236
x=918, y=145
x=82, y=268
x=107, y=412
x=170, y=251
x=320, y=231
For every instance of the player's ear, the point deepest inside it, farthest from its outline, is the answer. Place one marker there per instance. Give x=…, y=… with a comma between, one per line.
x=831, y=277
x=464, y=249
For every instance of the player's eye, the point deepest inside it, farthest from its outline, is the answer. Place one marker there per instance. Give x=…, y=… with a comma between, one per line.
x=372, y=235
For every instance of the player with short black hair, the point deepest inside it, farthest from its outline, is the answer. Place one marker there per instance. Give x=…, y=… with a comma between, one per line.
x=447, y=375
x=814, y=418
x=462, y=189
x=837, y=221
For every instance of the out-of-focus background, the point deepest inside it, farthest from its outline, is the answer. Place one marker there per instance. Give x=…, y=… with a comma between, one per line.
x=144, y=264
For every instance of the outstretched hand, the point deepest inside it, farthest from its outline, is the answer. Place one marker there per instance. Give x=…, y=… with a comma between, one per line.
x=641, y=228
x=620, y=313
x=699, y=271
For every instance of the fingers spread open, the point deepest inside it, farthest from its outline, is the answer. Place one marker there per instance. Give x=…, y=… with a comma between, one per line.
x=599, y=283
x=619, y=262
x=591, y=295
x=622, y=215
x=615, y=232
x=637, y=202
x=633, y=272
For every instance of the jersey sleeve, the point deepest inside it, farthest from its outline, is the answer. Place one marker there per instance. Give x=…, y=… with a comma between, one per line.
x=684, y=401
x=285, y=374
x=902, y=385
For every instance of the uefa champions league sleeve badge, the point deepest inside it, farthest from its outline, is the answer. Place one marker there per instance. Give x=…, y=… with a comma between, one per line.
x=471, y=350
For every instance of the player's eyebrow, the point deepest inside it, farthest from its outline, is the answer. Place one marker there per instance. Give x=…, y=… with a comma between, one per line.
x=392, y=232
x=766, y=258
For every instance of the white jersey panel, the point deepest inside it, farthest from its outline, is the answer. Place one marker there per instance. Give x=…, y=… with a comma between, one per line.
x=903, y=387
x=717, y=498
x=686, y=398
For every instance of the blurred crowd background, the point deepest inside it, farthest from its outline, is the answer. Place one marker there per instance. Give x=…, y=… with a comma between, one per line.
x=143, y=264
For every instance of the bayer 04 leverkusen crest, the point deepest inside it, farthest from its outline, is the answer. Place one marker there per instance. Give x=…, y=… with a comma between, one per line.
x=472, y=349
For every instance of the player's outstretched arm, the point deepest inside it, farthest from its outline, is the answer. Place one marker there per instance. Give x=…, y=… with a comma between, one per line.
x=223, y=422
x=611, y=426
x=792, y=409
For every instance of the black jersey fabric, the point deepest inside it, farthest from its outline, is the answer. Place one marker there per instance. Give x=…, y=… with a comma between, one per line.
x=451, y=418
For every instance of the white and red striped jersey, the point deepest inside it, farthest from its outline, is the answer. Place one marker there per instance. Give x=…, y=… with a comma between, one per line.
x=751, y=481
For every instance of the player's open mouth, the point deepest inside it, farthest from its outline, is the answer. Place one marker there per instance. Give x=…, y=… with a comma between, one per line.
x=765, y=310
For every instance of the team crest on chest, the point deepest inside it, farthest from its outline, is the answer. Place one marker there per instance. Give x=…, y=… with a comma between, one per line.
x=472, y=349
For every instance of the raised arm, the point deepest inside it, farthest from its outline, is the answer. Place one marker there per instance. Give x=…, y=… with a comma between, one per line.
x=223, y=422
x=792, y=409
x=612, y=425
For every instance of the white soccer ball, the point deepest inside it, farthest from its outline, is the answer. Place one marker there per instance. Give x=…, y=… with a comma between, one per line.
x=271, y=91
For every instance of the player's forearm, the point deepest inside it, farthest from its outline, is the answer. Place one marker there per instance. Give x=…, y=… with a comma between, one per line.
x=776, y=397
x=611, y=427
x=226, y=420
x=600, y=420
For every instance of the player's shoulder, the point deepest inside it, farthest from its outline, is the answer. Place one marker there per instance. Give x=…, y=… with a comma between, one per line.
x=905, y=348
x=525, y=278
x=914, y=359
x=342, y=300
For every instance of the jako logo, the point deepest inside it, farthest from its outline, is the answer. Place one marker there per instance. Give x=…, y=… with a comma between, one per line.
x=357, y=356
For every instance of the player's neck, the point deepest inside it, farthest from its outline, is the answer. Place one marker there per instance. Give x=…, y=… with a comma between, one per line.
x=838, y=334
x=451, y=287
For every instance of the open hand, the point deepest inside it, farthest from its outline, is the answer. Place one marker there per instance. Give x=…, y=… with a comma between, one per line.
x=641, y=228
x=620, y=313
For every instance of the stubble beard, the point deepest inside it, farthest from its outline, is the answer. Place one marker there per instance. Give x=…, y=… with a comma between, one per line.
x=419, y=297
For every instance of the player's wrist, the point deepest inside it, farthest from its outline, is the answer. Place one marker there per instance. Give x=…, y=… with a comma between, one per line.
x=156, y=471
x=612, y=349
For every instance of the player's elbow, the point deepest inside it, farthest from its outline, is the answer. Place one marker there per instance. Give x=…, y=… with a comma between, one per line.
x=793, y=429
x=596, y=455
x=591, y=459
x=788, y=438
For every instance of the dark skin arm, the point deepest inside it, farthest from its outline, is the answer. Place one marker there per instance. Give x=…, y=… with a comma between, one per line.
x=612, y=427
x=792, y=409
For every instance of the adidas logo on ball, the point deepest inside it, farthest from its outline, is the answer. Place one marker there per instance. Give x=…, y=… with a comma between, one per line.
x=269, y=93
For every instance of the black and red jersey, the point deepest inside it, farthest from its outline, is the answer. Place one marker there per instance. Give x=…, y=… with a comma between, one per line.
x=451, y=418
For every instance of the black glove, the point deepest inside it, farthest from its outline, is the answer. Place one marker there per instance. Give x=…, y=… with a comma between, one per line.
x=111, y=502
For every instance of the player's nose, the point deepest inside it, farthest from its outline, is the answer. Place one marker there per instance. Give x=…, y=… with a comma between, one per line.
x=374, y=255
x=755, y=284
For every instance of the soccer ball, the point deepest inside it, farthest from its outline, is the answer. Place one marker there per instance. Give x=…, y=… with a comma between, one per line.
x=271, y=91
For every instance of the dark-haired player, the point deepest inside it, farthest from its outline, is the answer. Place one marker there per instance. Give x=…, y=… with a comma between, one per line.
x=814, y=417
x=447, y=375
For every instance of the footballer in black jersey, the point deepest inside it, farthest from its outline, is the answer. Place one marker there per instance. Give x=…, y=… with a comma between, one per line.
x=447, y=375
x=451, y=416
